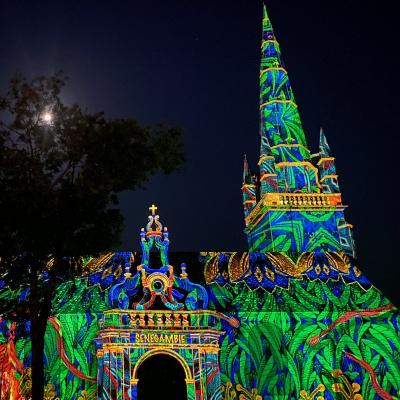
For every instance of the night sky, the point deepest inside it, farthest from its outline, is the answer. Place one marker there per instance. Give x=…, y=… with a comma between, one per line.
x=195, y=64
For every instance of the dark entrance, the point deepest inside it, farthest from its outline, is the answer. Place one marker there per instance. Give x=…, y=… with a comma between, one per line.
x=161, y=377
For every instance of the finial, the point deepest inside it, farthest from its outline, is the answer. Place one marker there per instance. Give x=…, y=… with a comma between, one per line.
x=154, y=219
x=183, y=271
x=153, y=209
x=324, y=149
x=127, y=273
x=246, y=170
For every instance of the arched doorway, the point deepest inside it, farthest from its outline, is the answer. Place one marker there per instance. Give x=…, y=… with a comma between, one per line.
x=161, y=377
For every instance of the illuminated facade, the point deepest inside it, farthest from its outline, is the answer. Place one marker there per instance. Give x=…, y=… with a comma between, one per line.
x=292, y=318
x=294, y=203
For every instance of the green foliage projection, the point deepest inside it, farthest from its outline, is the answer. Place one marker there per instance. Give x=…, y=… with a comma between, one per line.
x=271, y=351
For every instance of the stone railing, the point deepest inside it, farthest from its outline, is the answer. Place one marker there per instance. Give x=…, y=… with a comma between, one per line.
x=295, y=200
x=302, y=199
x=154, y=319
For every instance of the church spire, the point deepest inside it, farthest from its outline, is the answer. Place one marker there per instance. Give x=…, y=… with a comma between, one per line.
x=280, y=120
x=291, y=206
x=326, y=166
x=324, y=149
x=248, y=188
x=247, y=178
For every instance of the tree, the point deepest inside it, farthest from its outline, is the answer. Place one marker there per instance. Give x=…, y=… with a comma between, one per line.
x=61, y=169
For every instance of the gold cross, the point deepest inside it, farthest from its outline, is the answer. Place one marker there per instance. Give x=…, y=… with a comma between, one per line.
x=153, y=209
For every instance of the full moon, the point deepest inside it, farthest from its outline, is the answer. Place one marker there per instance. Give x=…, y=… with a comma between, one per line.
x=47, y=117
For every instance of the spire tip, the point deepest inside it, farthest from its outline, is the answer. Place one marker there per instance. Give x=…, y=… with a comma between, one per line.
x=324, y=148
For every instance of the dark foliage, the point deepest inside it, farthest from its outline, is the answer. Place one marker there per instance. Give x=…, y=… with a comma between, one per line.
x=61, y=169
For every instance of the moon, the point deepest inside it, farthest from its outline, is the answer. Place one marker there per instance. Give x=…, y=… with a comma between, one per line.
x=47, y=117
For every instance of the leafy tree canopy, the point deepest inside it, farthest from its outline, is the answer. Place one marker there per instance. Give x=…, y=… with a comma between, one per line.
x=61, y=169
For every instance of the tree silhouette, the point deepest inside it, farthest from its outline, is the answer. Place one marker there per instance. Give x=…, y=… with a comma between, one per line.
x=61, y=169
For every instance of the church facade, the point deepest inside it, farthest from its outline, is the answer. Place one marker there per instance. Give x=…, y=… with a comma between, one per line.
x=292, y=318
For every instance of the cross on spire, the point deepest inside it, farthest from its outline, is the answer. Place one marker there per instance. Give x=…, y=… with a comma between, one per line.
x=153, y=209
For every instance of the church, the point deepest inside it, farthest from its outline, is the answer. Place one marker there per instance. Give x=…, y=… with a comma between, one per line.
x=292, y=318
